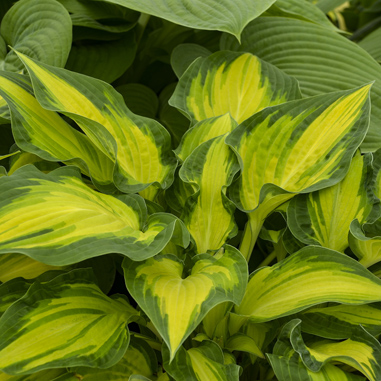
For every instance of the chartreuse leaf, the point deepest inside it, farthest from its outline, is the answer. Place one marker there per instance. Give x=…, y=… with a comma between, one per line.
x=208, y=213
x=205, y=362
x=288, y=365
x=139, y=146
x=177, y=303
x=320, y=59
x=56, y=219
x=47, y=135
x=361, y=351
x=18, y=265
x=139, y=359
x=89, y=327
x=338, y=322
x=48, y=374
x=311, y=276
x=220, y=15
x=40, y=28
x=296, y=147
x=237, y=83
x=324, y=217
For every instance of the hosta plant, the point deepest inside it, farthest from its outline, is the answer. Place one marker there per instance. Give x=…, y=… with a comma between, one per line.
x=188, y=191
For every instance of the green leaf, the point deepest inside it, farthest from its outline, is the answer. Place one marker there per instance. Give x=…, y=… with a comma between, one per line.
x=56, y=219
x=321, y=60
x=177, y=303
x=237, y=83
x=243, y=343
x=205, y=362
x=47, y=135
x=220, y=15
x=324, y=217
x=139, y=146
x=89, y=327
x=40, y=28
x=311, y=276
x=362, y=351
x=208, y=213
x=370, y=43
x=284, y=150
x=138, y=359
x=49, y=374
x=338, y=322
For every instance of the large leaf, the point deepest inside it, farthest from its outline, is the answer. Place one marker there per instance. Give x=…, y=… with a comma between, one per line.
x=49, y=374
x=296, y=147
x=208, y=213
x=202, y=14
x=237, y=83
x=320, y=59
x=140, y=146
x=323, y=217
x=47, y=135
x=41, y=29
x=371, y=44
x=205, y=362
x=311, y=276
x=177, y=303
x=65, y=322
x=56, y=219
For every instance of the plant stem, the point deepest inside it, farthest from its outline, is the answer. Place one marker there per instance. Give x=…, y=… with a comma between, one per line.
x=141, y=26
x=250, y=234
x=268, y=259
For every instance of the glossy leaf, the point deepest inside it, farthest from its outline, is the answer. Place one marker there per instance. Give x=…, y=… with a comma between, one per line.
x=177, y=303
x=56, y=219
x=89, y=327
x=235, y=83
x=311, y=276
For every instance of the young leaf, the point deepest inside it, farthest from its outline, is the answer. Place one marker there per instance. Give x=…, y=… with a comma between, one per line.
x=220, y=15
x=324, y=217
x=139, y=146
x=89, y=328
x=56, y=219
x=311, y=276
x=235, y=83
x=176, y=304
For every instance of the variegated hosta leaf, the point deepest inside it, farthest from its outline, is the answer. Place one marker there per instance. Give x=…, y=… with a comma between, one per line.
x=11, y=291
x=18, y=265
x=65, y=322
x=202, y=14
x=177, y=303
x=47, y=135
x=377, y=172
x=323, y=217
x=288, y=365
x=300, y=146
x=205, y=362
x=56, y=219
x=338, y=322
x=366, y=246
x=243, y=343
x=236, y=83
x=49, y=374
x=139, y=359
x=311, y=276
x=139, y=146
x=40, y=28
x=361, y=351
x=208, y=213
x=202, y=132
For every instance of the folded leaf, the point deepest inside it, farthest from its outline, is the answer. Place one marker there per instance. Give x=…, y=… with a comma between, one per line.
x=235, y=83
x=65, y=322
x=56, y=219
x=207, y=14
x=139, y=146
x=205, y=362
x=176, y=303
x=296, y=147
x=311, y=276
x=323, y=217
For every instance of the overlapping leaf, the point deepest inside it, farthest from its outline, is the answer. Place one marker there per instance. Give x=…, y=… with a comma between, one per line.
x=235, y=83
x=139, y=146
x=89, y=327
x=311, y=276
x=56, y=219
x=177, y=303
